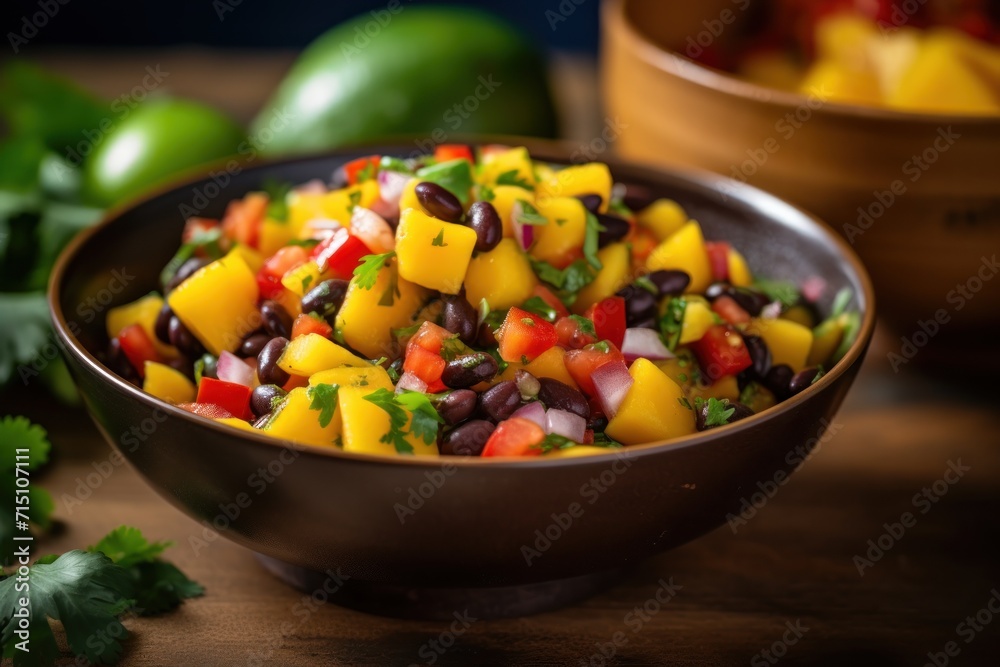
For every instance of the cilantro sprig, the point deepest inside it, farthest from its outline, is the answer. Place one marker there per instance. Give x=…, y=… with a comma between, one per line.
x=366, y=273
x=277, y=199
x=778, y=290
x=538, y=306
x=585, y=324
x=406, y=408
x=323, y=398
x=672, y=321
x=569, y=281
x=513, y=177
x=590, y=240
x=717, y=412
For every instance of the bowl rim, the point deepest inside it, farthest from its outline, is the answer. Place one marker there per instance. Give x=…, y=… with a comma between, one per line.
x=677, y=64
x=742, y=193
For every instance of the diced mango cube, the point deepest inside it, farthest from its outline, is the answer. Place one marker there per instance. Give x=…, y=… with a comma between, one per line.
x=167, y=383
x=549, y=364
x=698, y=318
x=369, y=375
x=514, y=165
x=313, y=353
x=585, y=179
x=789, y=342
x=564, y=234
x=503, y=276
x=739, y=271
x=652, y=409
x=684, y=251
x=297, y=419
x=367, y=423
x=433, y=253
x=615, y=273
x=663, y=217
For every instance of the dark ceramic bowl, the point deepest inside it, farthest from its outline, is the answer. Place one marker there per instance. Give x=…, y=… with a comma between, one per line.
x=419, y=536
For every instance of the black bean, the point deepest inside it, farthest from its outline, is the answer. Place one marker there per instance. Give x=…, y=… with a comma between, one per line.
x=647, y=323
x=438, y=202
x=500, y=401
x=802, y=380
x=670, y=282
x=637, y=197
x=615, y=228
x=467, y=439
x=268, y=371
x=456, y=406
x=778, y=380
x=459, y=317
x=262, y=398
x=183, y=365
x=598, y=423
x=748, y=299
x=326, y=298
x=162, y=326
x=277, y=321
x=561, y=396
x=253, y=344
x=119, y=363
x=486, y=337
x=486, y=223
x=591, y=202
x=469, y=370
x=184, y=272
x=740, y=411
x=183, y=339
x=760, y=354
x=640, y=305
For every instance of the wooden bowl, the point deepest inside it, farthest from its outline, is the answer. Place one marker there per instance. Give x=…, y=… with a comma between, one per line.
x=917, y=195
x=419, y=536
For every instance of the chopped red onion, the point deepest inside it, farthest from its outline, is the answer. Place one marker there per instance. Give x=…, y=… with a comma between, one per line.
x=564, y=423
x=533, y=411
x=410, y=382
x=233, y=369
x=612, y=381
x=644, y=343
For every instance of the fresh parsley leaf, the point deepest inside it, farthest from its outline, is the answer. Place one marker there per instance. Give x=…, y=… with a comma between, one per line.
x=455, y=176
x=778, y=290
x=528, y=214
x=277, y=200
x=323, y=397
x=407, y=332
x=512, y=177
x=586, y=326
x=672, y=321
x=159, y=586
x=718, y=412
x=537, y=305
x=17, y=433
x=572, y=279
x=366, y=273
x=396, y=436
x=601, y=439
x=439, y=239
x=424, y=419
x=86, y=592
x=127, y=546
x=24, y=330
x=590, y=245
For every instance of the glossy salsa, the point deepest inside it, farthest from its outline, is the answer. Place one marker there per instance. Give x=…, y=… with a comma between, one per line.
x=473, y=302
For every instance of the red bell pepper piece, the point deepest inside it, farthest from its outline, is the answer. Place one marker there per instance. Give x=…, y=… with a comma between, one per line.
x=230, y=396
x=515, y=437
x=524, y=335
x=721, y=351
x=718, y=259
x=446, y=152
x=608, y=316
x=138, y=348
x=207, y=410
x=732, y=312
x=269, y=276
x=340, y=253
x=362, y=169
x=307, y=324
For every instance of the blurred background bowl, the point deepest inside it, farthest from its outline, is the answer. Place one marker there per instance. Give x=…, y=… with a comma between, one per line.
x=472, y=520
x=928, y=234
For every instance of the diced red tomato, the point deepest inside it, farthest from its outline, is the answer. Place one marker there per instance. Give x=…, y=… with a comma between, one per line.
x=426, y=365
x=446, y=152
x=230, y=396
x=571, y=336
x=429, y=336
x=307, y=324
x=269, y=276
x=207, y=410
x=340, y=253
x=588, y=437
x=551, y=300
x=718, y=259
x=581, y=363
x=727, y=308
x=195, y=227
x=721, y=351
x=244, y=217
x=608, y=316
x=137, y=347
x=524, y=335
x=515, y=437
x=361, y=169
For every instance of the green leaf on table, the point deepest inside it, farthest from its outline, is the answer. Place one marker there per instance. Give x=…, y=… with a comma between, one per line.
x=159, y=586
x=18, y=433
x=86, y=592
x=59, y=223
x=20, y=161
x=24, y=330
x=127, y=546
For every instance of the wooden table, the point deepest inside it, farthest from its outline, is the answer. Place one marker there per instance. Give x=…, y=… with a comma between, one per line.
x=791, y=566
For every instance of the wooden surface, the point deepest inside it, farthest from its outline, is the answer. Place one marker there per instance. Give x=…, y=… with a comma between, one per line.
x=791, y=563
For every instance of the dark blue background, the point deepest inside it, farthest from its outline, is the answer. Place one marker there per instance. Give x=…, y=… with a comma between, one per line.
x=264, y=23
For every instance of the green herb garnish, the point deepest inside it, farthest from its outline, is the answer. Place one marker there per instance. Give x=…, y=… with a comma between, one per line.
x=323, y=397
x=439, y=239
x=586, y=326
x=778, y=290
x=455, y=176
x=366, y=273
x=718, y=412
x=529, y=215
x=672, y=321
x=512, y=178
x=538, y=306
x=590, y=242
x=277, y=199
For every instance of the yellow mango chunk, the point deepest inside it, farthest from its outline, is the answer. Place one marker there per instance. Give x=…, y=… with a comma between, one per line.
x=826, y=338
x=313, y=353
x=663, y=218
x=615, y=273
x=843, y=36
x=685, y=251
x=252, y=257
x=652, y=408
x=303, y=207
x=801, y=315
x=504, y=197
x=167, y=384
x=841, y=83
x=698, y=318
x=236, y=422
x=433, y=253
x=409, y=197
x=368, y=316
x=580, y=450
x=503, y=276
x=564, y=232
x=303, y=277
x=369, y=375
x=366, y=423
x=941, y=79
x=275, y=235
x=549, y=364
x=513, y=164
x=739, y=272
x=724, y=387
x=143, y=312
x=585, y=179
x=218, y=303
x=295, y=420
x=339, y=204
x=775, y=69
x=788, y=341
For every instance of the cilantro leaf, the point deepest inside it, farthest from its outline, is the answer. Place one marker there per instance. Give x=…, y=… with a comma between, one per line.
x=512, y=178
x=554, y=441
x=525, y=213
x=86, y=592
x=439, y=239
x=672, y=321
x=388, y=163
x=778, y=290
x=590, y=242
x=366, y=173
x=572, y=279
x=366, y=273
x=586, y=325
x=323, y=397
x=425, y=418
x=277, y=200
x=24, y=330
x=452, y=347
x=717, y=413
x=19, y=433
x=538, y=305
x=398, y=419
x=485, y=193
x=455, y=176
x=159, y=586
x=127, y=546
